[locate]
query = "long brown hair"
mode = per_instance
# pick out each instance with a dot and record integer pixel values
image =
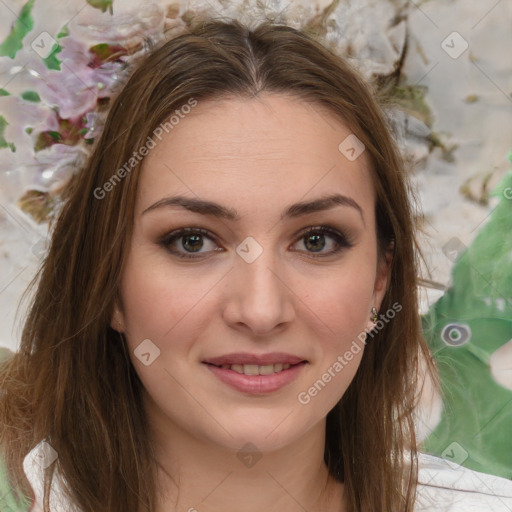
(72, 382)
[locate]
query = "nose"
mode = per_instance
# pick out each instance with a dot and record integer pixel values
(259, 296)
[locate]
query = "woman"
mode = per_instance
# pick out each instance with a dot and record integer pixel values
(227, 317)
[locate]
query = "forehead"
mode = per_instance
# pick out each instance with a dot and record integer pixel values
(263, 152)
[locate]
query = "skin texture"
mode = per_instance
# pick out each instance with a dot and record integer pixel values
(256, 156)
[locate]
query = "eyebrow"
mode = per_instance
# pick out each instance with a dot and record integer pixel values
(205, 207)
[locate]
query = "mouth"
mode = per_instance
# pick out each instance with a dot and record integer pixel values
(255, 364)
(254, 369)
(256, 374)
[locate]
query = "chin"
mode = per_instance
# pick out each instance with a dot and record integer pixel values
(266, 433)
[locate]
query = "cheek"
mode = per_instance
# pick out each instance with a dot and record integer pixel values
(346, 299)
(343, 301)
(158, 301)
(339, 313)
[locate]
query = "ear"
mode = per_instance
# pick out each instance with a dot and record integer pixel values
(117, 317)
(382, 275)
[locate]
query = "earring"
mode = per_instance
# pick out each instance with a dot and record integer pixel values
(374, 317)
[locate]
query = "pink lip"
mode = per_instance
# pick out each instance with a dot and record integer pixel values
(257, 384)
(260, 360)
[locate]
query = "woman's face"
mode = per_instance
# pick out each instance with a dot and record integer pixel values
(213, 317)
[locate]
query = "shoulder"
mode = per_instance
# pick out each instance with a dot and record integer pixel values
(447, 487)
(442, 486)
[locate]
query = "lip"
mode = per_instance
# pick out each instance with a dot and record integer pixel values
(257, 384)
(259, 359)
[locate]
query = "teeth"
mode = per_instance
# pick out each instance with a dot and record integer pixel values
(266, 369)
(254, 369)
(251, 369)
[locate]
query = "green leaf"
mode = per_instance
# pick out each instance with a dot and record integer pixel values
(101, 50)
(104, 52)
(52, 62)
(3, 92)
(101, 4)
(24, 24)
(64, 32)
(3, 142)
(45, 140)
(31, 96)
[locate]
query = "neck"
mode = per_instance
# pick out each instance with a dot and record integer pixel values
(197, 475)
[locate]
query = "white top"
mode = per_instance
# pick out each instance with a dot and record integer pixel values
(443, 486)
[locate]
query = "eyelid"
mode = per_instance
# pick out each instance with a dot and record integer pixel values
(326, 228)
(340, 236)
(176, 234)
(342, 240)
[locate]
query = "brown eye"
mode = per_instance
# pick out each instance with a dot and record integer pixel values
(315, 240)
(189, 242)
(192, 241)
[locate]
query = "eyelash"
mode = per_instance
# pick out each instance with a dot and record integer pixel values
(340, 238)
